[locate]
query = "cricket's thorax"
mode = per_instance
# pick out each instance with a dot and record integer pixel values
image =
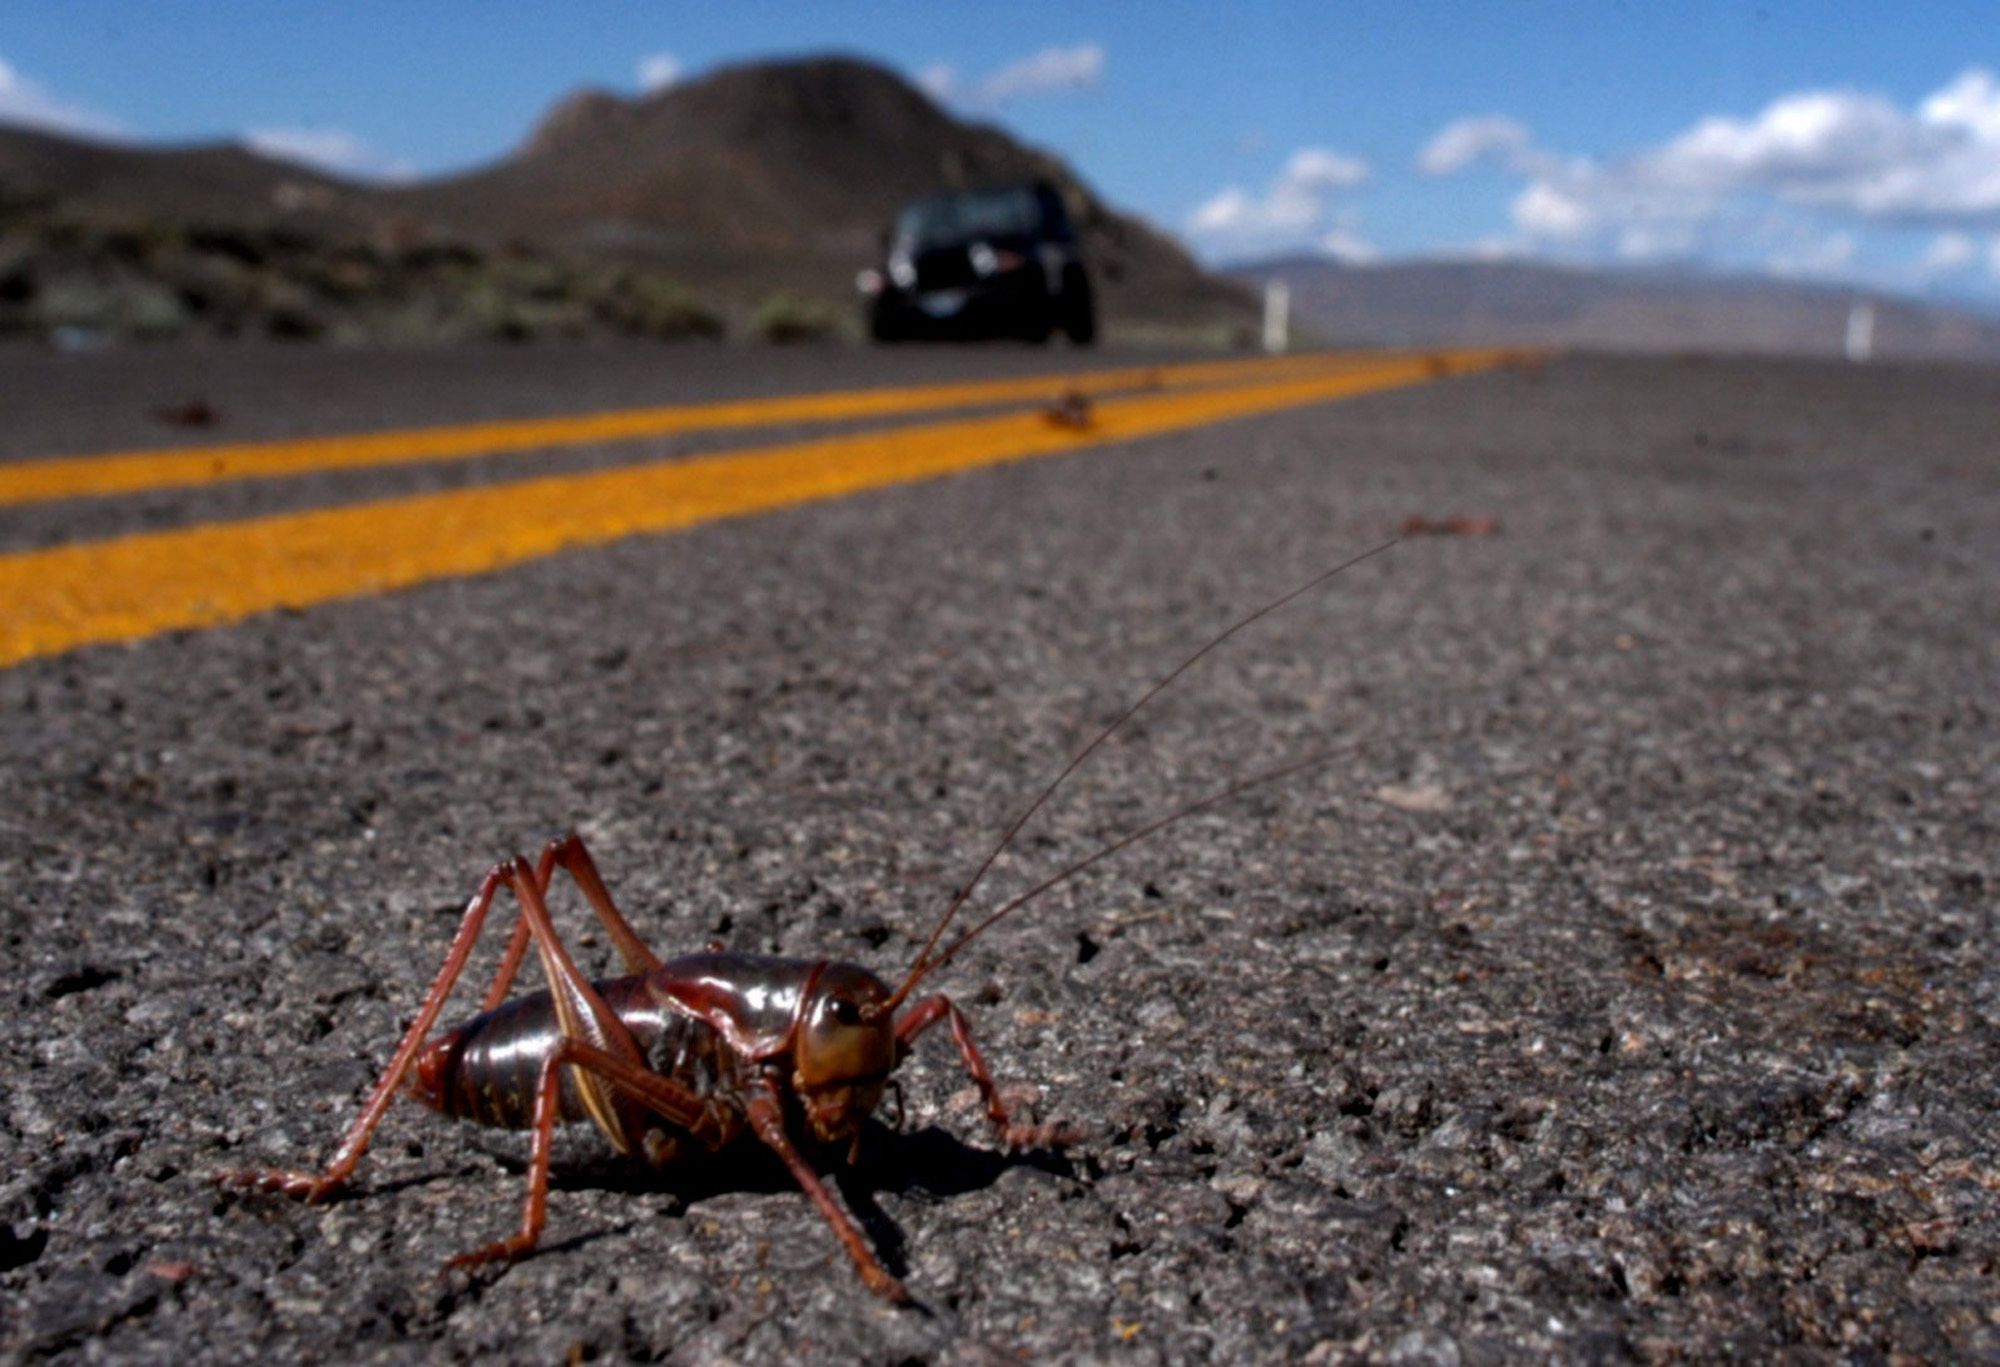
(756, 999)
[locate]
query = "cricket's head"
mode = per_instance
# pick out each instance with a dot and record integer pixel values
(844, 1051)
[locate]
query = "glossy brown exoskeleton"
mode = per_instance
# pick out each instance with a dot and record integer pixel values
(679, 1059)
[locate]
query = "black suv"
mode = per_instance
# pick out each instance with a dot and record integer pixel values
(999, 262)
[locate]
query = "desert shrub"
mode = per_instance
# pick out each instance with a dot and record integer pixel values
(785, 318)
(649, 304)
(112, 307)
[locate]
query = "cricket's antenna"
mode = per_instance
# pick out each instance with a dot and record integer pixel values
(923, 964)
(1150, 828)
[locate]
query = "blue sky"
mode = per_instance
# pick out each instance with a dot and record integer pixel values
(1827, 140)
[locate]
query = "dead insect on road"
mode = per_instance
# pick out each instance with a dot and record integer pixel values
(1071, 409)
(684, 1057)
(191, 413)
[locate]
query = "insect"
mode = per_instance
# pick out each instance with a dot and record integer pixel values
(682, 1058)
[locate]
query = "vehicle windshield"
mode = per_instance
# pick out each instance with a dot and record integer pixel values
(968, 217)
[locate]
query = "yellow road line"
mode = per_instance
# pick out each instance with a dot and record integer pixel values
(134, 586)
(124, 472)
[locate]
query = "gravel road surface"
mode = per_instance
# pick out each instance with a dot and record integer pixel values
(1624, 988)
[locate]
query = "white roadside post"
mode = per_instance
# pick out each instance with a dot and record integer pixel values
(1860, 331)
(1277, 315)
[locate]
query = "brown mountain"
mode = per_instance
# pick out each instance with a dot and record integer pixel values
(1444, 303)
(776, 176)
(786, 174)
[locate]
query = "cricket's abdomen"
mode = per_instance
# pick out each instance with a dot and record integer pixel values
(487, 1069)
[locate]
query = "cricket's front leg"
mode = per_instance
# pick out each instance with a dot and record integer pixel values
(767, 1121)
(1014, 1135)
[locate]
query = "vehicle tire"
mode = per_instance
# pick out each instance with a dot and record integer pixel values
(1078, 309)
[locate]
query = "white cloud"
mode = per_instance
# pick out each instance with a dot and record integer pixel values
(1586, 203)
(1463, 142)
(1799, 185)
(1052, 71)
(328, 149)
(1228, 212)
(1948, 253)
(1970, 102)
(939, 80)
(1545, 210)
(1295, 210)
(23, 101)
(1344, 244)
(1837, 153)
(1853, 153)
(1316, 168)
(1812, 142)
(658, 71)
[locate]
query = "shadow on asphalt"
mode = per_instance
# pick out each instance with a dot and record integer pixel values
(930, 1162)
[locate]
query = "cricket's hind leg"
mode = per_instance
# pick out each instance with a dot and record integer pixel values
(633, 1083)
(315, 1187)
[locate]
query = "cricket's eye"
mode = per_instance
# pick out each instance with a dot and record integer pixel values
(838, 1047)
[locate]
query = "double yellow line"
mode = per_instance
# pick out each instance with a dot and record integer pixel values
(127, 472)
(129, 587)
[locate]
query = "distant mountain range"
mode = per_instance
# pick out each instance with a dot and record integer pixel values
(755, 179)
(1436, 303)
(746, 200)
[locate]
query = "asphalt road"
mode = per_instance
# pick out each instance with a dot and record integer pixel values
(1624, 988)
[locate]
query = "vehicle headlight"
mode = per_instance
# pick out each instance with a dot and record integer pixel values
(987, 261)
